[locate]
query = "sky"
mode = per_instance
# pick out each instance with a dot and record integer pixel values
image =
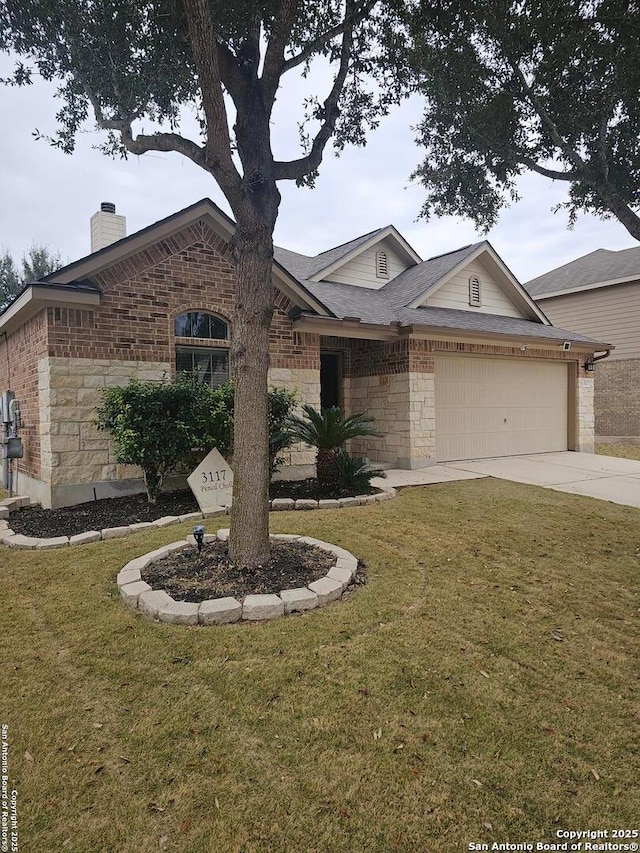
(47, 197)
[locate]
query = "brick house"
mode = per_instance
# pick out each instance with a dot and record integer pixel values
(451, 355)
(599, 294)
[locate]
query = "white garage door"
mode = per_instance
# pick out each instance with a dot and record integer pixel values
(499, 407)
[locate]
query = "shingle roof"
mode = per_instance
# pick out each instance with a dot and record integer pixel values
(303, 266)
(350, 300)
(470, 321)
(420, 279)
(600, 266)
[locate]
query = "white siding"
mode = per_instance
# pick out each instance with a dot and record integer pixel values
(499, 407)
(455, 293)
(608, 314)
(362, 269)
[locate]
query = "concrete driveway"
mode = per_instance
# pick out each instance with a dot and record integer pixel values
(608, 478)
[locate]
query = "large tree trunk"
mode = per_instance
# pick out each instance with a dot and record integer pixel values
(249, 538)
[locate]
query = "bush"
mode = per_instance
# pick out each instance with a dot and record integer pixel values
(155, 425)
(355, 473)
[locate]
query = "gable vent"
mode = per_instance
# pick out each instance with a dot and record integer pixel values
(382, 264)
(474, 291)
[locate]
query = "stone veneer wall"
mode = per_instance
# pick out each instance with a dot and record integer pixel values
(617, 396)
(131, 334)
(395, 382)
(305, 383)
(76, 458)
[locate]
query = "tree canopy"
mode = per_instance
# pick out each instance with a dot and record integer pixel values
(37, 262)
(551, 87)
(135, 66)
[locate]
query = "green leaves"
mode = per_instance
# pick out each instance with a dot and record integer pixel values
(550, 87)
(328, 429)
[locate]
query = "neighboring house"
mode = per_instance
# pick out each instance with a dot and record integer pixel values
(450, 355)
(599, 294)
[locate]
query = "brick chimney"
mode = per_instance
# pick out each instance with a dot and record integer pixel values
(107, 226)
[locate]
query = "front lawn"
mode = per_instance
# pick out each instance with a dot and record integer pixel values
(481, 687)
(628, 451)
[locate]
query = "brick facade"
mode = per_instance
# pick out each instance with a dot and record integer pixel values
(617, 397)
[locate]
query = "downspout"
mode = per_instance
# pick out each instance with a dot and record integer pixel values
(590, 363)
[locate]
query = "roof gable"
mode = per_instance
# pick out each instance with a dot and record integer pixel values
(329, 263)
(203, 211)
(455, 263)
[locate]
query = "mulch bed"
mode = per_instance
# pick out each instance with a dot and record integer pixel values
(130, 509)
(309, 490)
(189, 576)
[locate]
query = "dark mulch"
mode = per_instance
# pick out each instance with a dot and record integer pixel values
(109, 512)
(130, 509)
(309, 490)
(189, 576)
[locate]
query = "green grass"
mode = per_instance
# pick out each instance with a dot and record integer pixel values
(628, 451)
(250, 738)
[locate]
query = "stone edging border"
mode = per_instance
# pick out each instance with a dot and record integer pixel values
(16, 540)
(158, 604)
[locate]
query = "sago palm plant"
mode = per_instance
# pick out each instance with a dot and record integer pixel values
(327, 430)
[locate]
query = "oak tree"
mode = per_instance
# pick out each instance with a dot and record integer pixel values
(133, 65)
(551, 87)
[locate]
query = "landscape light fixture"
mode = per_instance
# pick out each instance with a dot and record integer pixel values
(198, 535)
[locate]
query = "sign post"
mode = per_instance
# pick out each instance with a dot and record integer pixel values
(212, 482)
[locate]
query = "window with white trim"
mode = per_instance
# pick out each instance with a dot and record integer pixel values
(208, 364)
(475, 296)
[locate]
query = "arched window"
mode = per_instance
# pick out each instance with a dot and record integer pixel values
(209, 364)
(199, 324)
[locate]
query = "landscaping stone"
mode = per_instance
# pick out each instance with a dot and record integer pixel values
(115, 532)
(126, 576)
(167, 521)
(349, 564)
(258, 607)
(223, 534)
(329, 504)
(340, 552)
(190, 516)
(179, 613)
(296, 600)
(141, 525)
(4, 512)
(371, 499)
(131, 592)
(165, 550)
(326, 589)
(346, 502)
(282, 504)
(153, 601)
(384, 496)
(85, 538)
(212, 513)
(219, 611)
(306, 504)
(337, 573)
(20, 541)
(4, 525)
(6, 534)
(284, 536)
(53, 542)
(362, 499)
(138, 563)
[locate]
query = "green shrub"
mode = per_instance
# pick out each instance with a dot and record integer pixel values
(327, 430)
(355, 473)
(155, 425)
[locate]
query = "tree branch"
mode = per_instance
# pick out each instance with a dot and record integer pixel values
(206, 56)
(294, 170)
(554, 174)
(274, 56)
(359, 11)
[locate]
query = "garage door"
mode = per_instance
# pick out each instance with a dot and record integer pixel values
(499, 407)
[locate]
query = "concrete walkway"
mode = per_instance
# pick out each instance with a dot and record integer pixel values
(608, 478)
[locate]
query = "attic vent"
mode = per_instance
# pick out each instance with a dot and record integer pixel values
(382, 264)
(474, 291)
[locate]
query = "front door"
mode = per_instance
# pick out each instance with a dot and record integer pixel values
(330, 380)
